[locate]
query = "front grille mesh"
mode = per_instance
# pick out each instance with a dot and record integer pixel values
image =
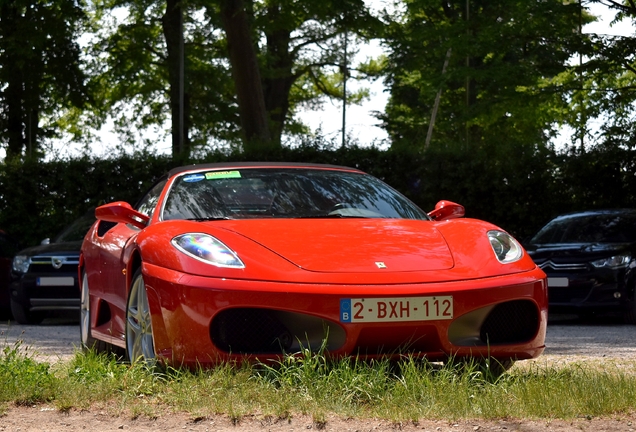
(510, 322)
(41, 264)
(550, 265)
(250, 331)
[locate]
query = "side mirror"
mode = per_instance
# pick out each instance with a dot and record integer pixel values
(121, 212)
(445, 210)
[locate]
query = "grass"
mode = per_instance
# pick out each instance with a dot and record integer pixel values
(310, 384)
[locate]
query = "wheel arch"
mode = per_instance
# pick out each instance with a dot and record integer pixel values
(162, 344)
(134, 264)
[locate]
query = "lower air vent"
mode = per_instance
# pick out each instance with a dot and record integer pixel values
(514, 321)
(511, 322)
(266, 331)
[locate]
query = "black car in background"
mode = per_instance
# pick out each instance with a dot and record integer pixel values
(44, 277)
(590, 260)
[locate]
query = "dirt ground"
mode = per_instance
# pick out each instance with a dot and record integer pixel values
(43, 418)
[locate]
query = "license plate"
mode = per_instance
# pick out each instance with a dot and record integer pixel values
(56, 281)
(558, 282)
(394, 309)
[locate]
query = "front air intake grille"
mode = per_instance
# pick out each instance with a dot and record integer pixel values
(510, 322)
(53, 264)
(249, 331)
(550, 265)
(269, 331)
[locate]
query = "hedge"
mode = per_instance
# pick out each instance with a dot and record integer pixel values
(518, 189)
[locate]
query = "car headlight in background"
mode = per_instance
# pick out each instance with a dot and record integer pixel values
(613, 262)
(21, 263)
(207, 249)
(506, 248)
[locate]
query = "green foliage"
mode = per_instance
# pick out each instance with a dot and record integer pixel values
(40, 72)
(129, 72)
(298, 62)
(602, 86)
(38, 199)
(24, 380)
(490, 63)
(310, 383)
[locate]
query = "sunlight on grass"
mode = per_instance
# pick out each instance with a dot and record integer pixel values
(310, 383)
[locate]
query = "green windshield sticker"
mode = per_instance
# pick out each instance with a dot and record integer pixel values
(222, 175)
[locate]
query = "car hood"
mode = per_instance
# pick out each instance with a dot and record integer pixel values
(67, 248)
(352, 245)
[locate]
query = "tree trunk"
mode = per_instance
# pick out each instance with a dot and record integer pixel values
(14, 92)
(172, 23)
(246, 75)
(15, 113)
(278, 80)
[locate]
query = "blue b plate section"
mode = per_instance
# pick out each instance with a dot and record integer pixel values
(345, 310)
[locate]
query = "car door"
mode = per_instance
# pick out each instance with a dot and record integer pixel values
(110, 242)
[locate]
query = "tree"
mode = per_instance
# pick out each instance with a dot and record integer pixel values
(302, 39)
(303, 52)
(247, 63)
(501, 58)
(172, 25)
(605, 87)
(160, 62)
(246, 73)
(40, 71)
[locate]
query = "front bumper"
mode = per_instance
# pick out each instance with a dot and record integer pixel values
(199, 320)
(589, 292)
(46, 291)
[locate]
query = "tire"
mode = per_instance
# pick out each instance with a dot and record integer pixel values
(5, 313)
(88, 342)
(23, 315)
(140, 345)
(629, 316)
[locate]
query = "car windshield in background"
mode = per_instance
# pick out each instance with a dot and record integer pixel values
(284, 193)
(593, 228)
(77, 230)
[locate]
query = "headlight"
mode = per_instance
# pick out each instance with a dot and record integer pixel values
(614, 262)
(207, 249)
(506, 248)
(21, 263)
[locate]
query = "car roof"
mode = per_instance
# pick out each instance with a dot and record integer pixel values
(238, 165)
(598, 212)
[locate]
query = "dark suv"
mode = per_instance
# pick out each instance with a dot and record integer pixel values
(590, 260)
(44, 277)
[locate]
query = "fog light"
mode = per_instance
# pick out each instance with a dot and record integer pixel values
(617, 295)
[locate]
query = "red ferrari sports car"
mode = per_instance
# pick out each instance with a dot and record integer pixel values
(252, 261)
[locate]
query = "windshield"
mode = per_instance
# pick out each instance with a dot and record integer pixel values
(590, 228)
(284, 193)
(76, 230)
